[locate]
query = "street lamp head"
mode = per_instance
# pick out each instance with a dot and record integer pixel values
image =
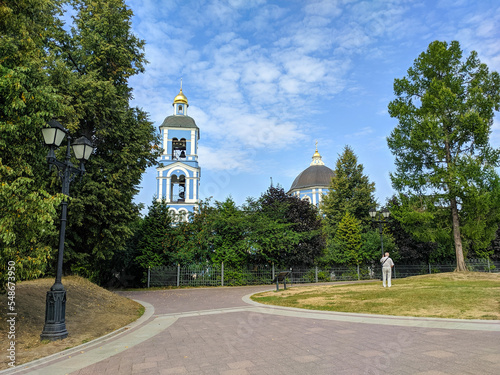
(82, 148)
(372, 212)
(53, 135)
(385, 213)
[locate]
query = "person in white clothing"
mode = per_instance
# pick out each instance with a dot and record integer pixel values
(387, 265)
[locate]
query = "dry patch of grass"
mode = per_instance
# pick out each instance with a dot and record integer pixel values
(460, 295)
(91, 312)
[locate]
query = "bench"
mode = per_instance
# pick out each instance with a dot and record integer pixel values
(281, 278)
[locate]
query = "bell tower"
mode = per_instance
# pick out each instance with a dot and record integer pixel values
(178, 175)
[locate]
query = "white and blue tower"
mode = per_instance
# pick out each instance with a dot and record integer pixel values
(178, 176)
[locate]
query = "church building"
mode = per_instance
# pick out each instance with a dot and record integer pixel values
(178, 175)
(313, 182)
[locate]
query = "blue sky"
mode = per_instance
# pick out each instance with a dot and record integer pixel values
(265, 80)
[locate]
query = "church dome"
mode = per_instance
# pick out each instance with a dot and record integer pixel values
(181, 98)
(317, 175)
(314, 176)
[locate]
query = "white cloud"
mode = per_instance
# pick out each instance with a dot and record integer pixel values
(253, 70)
(367, 130)
(324, 8)
(222, 158)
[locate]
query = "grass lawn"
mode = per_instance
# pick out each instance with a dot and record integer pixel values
(460, 295)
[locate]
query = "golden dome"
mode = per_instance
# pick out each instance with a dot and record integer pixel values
(181, 98)
(316, 159)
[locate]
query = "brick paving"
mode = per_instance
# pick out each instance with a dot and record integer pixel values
(214, 331)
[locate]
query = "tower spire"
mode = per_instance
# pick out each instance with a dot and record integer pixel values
(180, 103)
(316, 159)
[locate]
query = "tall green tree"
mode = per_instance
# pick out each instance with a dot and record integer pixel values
(100, 54)
(152, 235)
(229, 229)
(192, 242)
(410, 249)
(350, 191)
(28, 217)
(348, 241)
(445, 166)
(80, 78)
(286, 230)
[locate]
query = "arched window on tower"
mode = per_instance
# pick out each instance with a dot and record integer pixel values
(177, 188)
(183, 215)
(178, 148)
(173, 214)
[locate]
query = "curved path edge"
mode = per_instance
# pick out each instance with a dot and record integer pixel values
(462, 324)
(92, 351)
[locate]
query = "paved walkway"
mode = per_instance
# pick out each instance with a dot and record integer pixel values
(221, 331)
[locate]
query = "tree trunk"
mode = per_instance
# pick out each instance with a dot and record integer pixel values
(457, 239)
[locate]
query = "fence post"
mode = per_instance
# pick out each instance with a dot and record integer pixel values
(394, 271)
(149, 275)
(178, 274)
(429, 268)
(489, 269)
(357, 269)
(273, 270)
(222, 274)
(316, 274)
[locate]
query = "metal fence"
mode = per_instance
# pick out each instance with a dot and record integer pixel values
(218, 275)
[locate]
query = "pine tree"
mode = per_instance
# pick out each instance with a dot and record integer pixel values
(152, 236)
(445, 167)
(347, 241)
(350, 191)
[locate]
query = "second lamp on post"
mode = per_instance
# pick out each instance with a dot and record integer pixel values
(55, 306)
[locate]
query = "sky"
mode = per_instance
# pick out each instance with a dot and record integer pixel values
(266, 80)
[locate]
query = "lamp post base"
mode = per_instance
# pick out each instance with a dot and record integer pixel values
(55, 316)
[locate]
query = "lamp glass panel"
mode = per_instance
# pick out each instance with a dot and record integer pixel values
(49, 135)
(82, 148)
(385, 213)
(79, 151)
(53, 136)
(59, 137)
(372, 212)
(88, 152)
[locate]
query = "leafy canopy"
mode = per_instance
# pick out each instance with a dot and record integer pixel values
(445, 166)
(27, 102)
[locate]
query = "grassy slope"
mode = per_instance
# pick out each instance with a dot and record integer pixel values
(91, 312)
(467, 295)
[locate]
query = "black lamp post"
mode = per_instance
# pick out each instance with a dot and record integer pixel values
(383, 215)
(55, 305)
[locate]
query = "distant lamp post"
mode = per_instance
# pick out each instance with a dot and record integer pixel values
(383, 216)
(55, 304)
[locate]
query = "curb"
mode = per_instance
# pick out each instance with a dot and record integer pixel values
(148, 313)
